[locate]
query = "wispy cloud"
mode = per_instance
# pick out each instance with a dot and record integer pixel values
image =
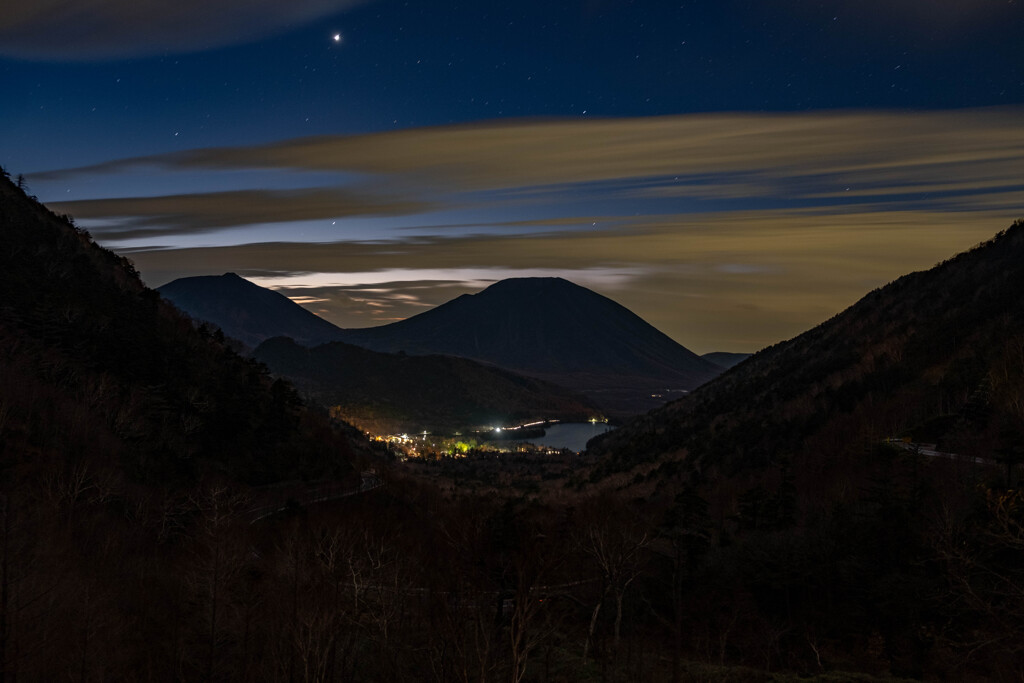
(374, 302)
(727, 231)
(734, 280)
(136, 217)
(706, 152)
(52, 30)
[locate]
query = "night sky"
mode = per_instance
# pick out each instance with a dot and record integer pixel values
(734, 172)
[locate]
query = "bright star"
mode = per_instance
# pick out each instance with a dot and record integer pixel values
(337, 37)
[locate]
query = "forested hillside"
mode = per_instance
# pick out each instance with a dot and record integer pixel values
(935, 356)
(392, 393)
(97, 365)
(860, 484)
(125, 433)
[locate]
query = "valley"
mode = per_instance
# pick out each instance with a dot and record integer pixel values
(517, 341)
(174, 507)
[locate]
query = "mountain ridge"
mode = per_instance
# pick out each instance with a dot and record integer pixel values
(725, 359)
(267, 314)
(558, 331)
(911, 359)
(97, 364)
(392, 393)
(547, 328)
(558, 300)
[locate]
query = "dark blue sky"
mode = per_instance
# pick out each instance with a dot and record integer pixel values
(403, 64)
(769, 113)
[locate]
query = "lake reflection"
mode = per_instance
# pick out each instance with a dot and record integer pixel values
(571, 435)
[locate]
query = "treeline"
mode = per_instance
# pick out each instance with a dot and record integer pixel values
(116, 417)
(934, 356)
(912, 578)
(96, 368)
(395, 393)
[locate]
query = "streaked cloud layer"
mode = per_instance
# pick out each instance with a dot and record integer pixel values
(727, 231)
(184, 214)
(765, 148)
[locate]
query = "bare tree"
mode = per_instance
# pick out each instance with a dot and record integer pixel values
(985, 577)
(615, 540)
(219, 557)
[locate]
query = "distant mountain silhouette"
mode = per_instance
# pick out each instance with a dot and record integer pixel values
(547, 328)
(245, 311)
(393, 393)
(724, 359)
(936, 357)
(386, 393)
(556, 330)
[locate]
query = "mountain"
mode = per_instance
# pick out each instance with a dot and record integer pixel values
(935, 357)
(556, 330)
(724, 359)
(245, 311)
(547, 328)
(378, 392)
(132, 448)
(98, 370)
(395, 393)
(861, 478)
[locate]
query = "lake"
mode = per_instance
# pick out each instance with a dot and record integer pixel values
(571, 435)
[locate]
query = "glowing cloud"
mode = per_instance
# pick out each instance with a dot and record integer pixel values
(726, 231)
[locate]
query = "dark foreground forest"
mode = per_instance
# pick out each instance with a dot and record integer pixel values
(139, 456)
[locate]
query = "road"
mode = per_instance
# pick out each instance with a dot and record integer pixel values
(311, 494)
(929, 450)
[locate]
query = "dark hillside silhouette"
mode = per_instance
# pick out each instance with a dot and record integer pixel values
(96, 363)
(391, 393)
(380, 392)
(247, 312)
(130, 445)
(862, 481)
(556, 330)
(934, 357)
(547, 328)
(724, 359)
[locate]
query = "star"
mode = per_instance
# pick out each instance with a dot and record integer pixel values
(336, 37)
